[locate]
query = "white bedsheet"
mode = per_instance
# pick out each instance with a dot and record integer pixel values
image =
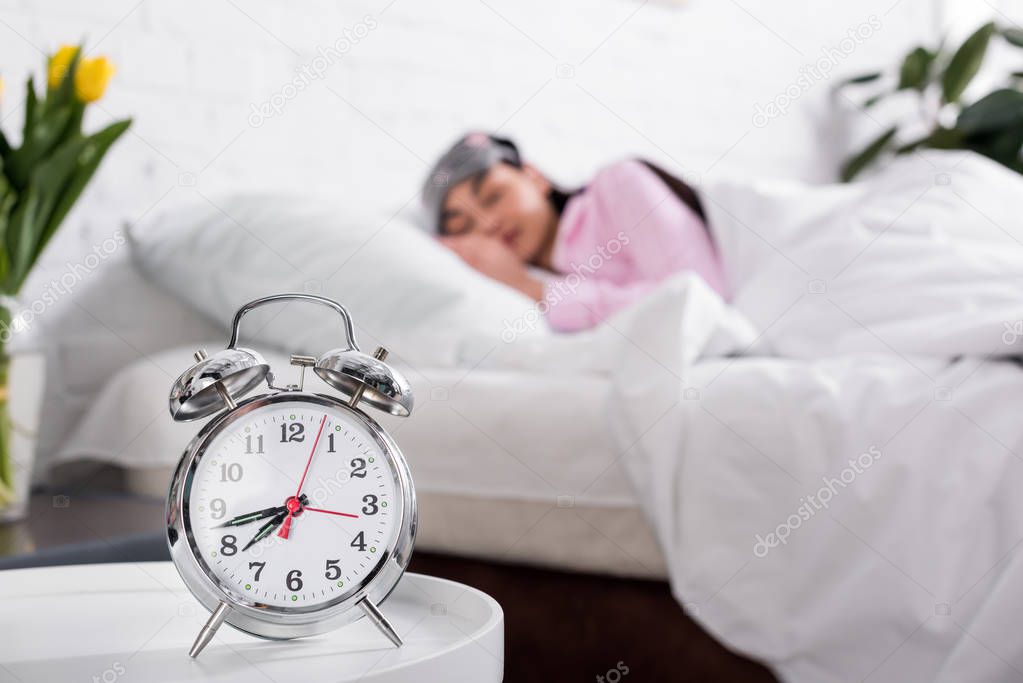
(555, 494)
(848, 507)
(466, 438)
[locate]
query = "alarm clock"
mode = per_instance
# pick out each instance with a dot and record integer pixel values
(291, 513)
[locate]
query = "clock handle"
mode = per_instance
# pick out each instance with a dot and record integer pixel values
(374, 614)
(207, 632)
(311, 298)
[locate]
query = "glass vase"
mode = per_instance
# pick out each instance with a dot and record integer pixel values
(21, 387)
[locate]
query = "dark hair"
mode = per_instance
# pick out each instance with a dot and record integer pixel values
(686, 194)
(559, 197)
(683, 191)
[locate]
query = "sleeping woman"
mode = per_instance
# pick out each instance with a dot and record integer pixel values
(583, 254)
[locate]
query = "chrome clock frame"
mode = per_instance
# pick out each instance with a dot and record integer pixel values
(269, 621)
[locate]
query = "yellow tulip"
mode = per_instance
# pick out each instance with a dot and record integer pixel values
(91, 78)
(59, 64)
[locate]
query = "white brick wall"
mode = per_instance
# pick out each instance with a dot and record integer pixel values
(676, 83)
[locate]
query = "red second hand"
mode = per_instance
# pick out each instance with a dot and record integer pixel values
(332, 512)
(286, 525)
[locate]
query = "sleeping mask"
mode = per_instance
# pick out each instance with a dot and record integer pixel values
(472, 154)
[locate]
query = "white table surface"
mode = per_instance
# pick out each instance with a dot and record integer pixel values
(135, 622)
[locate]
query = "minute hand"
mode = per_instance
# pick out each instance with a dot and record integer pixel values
(251, 516)
(259, 514)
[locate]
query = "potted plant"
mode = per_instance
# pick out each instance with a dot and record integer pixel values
(992, 125)
(40, 180)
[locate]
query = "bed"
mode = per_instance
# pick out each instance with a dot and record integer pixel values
(487, 488)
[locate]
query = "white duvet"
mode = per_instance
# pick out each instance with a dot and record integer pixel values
(843, 498)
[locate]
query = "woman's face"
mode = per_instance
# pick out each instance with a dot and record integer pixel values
(505, 203)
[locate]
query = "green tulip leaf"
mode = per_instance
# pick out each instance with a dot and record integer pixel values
(45, 135)
(31, 106)
(48, 181)
(965, 63)
(85, 166)
(7, 200)
(856, 164)
(64, 93)
(24, 216)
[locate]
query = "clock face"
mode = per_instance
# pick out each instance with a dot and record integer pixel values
(293, 505)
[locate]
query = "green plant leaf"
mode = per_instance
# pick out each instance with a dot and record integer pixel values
(913, 75)
(965, 63)
(912, 146)
(1013, 36)
(995, 111)
(853, 166)
(945, 138)
(1001, 145)
(871, 101)
(862, 78)
(939, 138)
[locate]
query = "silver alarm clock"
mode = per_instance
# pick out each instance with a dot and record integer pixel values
(291, 513)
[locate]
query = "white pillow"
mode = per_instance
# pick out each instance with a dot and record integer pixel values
(404, 290)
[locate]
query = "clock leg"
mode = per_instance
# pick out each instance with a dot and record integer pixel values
(378, 619)
(207, 632)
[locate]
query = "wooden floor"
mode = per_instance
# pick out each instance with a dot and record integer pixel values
(564, 627)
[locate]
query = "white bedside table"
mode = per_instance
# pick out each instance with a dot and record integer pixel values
(135, 622)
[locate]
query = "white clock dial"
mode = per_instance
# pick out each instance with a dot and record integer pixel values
(293, 505)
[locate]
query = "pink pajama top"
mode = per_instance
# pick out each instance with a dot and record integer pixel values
(617, 240)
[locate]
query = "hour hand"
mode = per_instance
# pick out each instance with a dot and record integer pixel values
(266, 529)
(249, 517)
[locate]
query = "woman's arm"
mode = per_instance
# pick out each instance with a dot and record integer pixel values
(495, 260)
